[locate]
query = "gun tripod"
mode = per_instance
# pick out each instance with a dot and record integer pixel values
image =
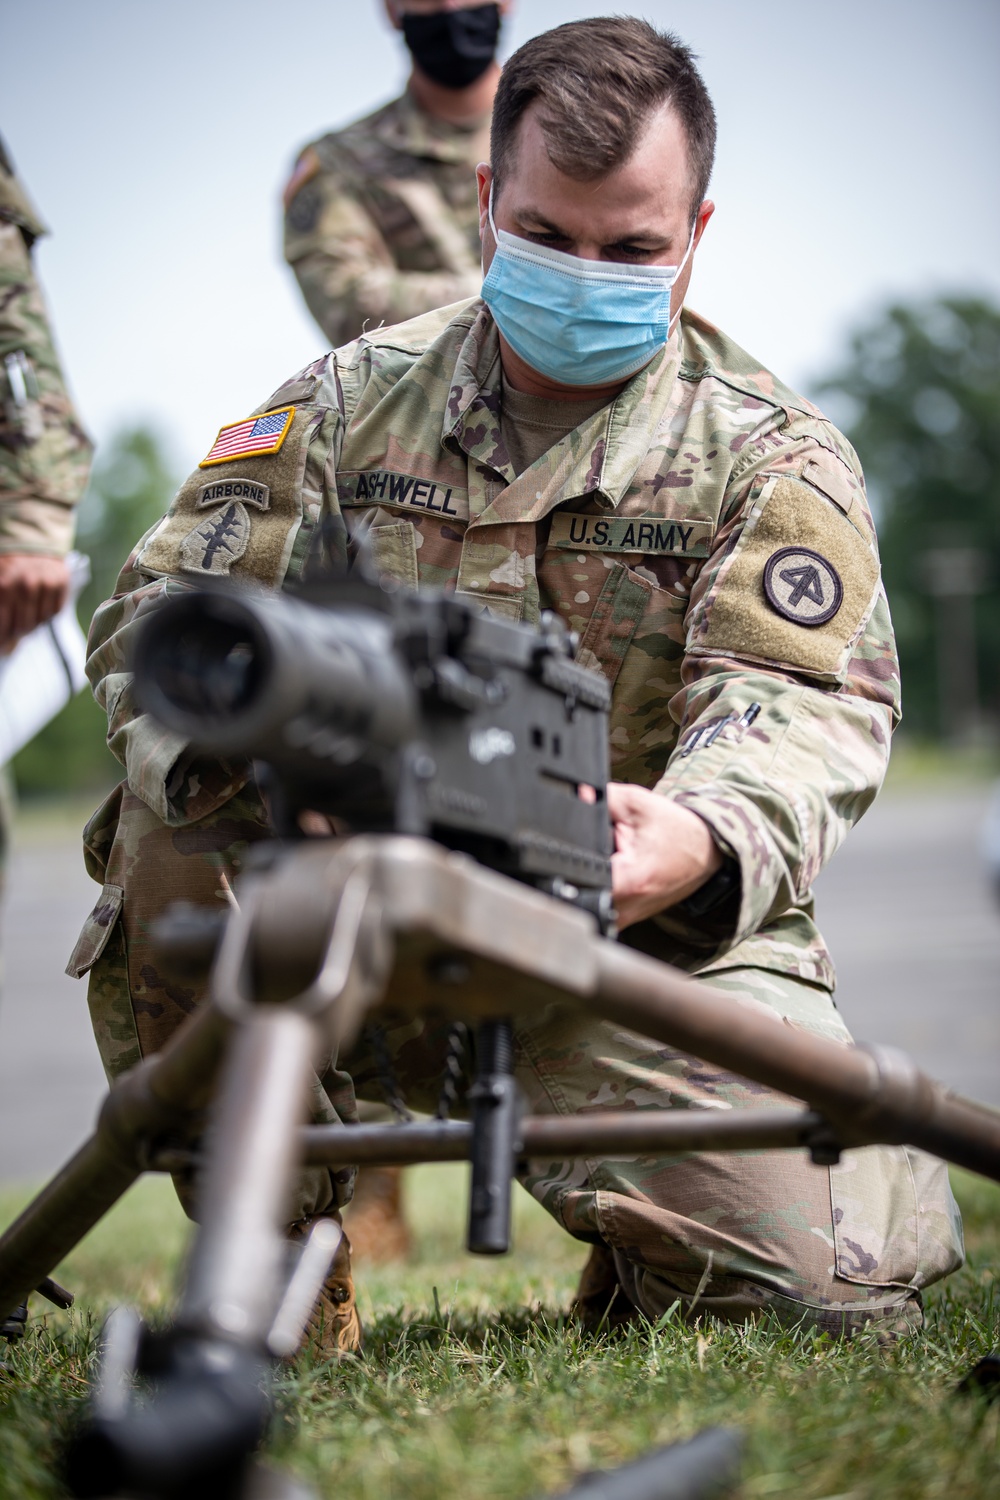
(384, 921)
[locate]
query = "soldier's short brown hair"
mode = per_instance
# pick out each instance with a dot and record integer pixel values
(597, 82)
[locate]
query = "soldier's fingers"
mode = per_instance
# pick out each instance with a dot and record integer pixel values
(625, 801)
(6, 622)
(50, 600)
(24, 609)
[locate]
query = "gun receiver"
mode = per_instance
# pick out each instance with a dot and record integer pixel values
(399, 712)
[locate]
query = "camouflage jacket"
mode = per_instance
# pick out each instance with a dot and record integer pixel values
(381, 220)
(44, 453)
(706, 534)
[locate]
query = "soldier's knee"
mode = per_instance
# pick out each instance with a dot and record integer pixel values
(889, 1313)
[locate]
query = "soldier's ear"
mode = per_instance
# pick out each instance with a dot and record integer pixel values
(705, 212)
(485, 182)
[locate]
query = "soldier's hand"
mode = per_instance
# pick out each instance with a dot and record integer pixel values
(32, 590)
(663, 852)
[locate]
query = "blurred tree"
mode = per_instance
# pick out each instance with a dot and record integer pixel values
(919, 397)
(129, 490)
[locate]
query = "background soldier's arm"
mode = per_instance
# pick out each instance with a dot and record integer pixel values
(347, 271)
(44, 454)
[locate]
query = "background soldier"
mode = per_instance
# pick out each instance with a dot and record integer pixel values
(571, 442)
(44, 453)
(381, 222)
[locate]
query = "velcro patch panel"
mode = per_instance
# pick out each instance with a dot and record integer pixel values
(232, 524)
(798, 589)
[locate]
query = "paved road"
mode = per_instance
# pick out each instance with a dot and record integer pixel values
(904, 906)
(915, 932)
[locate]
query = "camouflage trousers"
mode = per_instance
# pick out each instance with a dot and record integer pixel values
(729, 1234)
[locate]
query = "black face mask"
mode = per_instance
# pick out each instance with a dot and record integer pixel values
(454, 47)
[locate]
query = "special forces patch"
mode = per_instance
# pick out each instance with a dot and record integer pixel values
(802, 586)
(216, 542)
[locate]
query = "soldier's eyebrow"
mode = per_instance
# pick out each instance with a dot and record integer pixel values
(531, 216)
(654, 238)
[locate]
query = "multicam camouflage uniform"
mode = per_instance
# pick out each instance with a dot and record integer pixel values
(707, 535)
(381, 219)
(44, 454)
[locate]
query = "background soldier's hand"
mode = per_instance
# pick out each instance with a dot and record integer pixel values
(32, 590)
(663, 852)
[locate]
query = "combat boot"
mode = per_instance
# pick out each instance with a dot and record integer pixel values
(335, 1327)
(379, 1231)
(600, 1303)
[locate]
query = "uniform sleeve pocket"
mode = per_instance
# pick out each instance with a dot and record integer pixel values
(96, 931)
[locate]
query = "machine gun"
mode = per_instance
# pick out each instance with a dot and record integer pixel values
(414, 714)
(462, 763)
(399, 712)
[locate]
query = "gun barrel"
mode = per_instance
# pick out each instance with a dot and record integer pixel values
(869, 1093)
(275, 678)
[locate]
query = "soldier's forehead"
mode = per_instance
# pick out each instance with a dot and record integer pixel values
(658, 167)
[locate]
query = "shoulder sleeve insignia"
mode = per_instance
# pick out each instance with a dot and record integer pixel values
(794, 591)
(302, 214)
(304, 171)
(253, 438)
(802, 586)
(216, 542)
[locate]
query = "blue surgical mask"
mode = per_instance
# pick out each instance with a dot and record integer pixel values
(579, 322)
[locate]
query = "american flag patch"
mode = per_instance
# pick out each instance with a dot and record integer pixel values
(250, 439)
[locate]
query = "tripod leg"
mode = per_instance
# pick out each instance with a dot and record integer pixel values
(88, 1185)
(163, 1094)
(208, 1410)
(236, 1262)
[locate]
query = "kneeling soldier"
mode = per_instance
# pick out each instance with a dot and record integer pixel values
(572, 441)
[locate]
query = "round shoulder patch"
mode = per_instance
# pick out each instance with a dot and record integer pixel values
(303, 210)
(802, 586)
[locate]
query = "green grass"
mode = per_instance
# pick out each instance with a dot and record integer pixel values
(474, 1386)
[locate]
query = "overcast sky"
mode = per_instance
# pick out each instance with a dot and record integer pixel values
(858, 151)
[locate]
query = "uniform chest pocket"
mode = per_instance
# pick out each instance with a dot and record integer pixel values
(636, 637)
(394, 552)
(621, 603)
